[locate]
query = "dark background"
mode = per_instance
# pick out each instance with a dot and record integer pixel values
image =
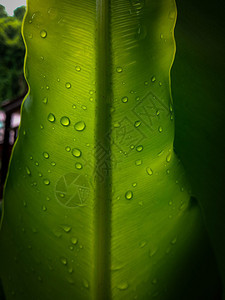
(198, 88)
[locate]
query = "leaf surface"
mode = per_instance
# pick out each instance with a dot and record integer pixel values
(96, 203)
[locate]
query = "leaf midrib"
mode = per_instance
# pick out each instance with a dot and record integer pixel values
(102, 219)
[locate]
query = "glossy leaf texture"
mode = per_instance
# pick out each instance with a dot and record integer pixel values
(97, 205)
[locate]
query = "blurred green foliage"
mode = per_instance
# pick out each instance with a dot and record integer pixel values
(12, 51)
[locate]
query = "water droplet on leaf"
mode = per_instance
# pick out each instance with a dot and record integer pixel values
(28, 171)
(78, 166)
(46, 181)
(137, 123)
(74, 240)
(124, 99)
(63, 261)
(45, 100)
(65, 121)
(139, 148)
(43, 34)
(51, 118)
(68, 85)
(138, 162)
(149, 171)
(119, 69)
(85, 283)
(123, 285)
(46, 155)
(78, 68)
(66, 228)
(80, 126)
(160, 129)
(129, 195)
(76, 152)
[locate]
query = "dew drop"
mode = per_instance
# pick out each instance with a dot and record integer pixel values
(149, 171)
(116, 124)
(68, 149)
(80, 126)
(46, 155)
(173, 242)
(43, 34)
(78, 68)
(160, 129)
(146, 83)
(65, 121)
(44, 208)
(152, 252)
(134, 184)
(73, 106)
(53, 163)
(84, 107)
(153, 79)
(78, 166)
(139, 148)
(46, 181)
(129, 195)
(76, 152)
(123, 285)
(138, 162)
(141, 32)
(142, 244)
(85, 283)
(66, 228)
(70, 270)
(68, 85)
(124, 99)
(74, 240)
(28, 171)
(168, 158)
(51, 118)
(119, 69)
(172, 14)
(45, 100)
(137, 123)
(63, 261)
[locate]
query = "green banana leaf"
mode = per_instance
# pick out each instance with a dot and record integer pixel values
(96, 204)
